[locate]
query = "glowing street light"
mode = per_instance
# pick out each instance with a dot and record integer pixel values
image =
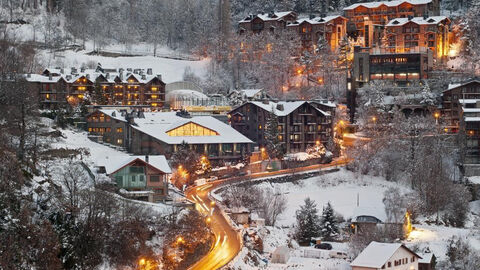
(436, 115)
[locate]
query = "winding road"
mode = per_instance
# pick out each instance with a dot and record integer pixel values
(227, 239)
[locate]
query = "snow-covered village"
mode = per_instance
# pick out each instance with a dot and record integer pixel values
(240, 134)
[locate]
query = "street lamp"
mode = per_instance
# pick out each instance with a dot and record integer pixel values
(436, 115)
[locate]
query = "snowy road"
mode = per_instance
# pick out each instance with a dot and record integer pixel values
(227, 240)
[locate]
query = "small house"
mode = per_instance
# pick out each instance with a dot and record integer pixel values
(143, 177)
(281, 255)
(378, 256)
(427, 262)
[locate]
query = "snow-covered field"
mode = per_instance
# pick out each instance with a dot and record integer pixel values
(171, 69)
(341, 189)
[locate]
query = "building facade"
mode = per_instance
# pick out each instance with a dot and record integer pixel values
(456, 97)
(406, 34)
(366, 20)
(331, 28)
(378, 256)
(161, 133)
(142, 176)
(61, 87)
(376, 64)
(301, 124)
(271, 22)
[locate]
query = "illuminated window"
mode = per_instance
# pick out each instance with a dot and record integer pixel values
(259, 126)
(191, 129)
(119, 130)
(89, 129)
(47, 96)
(154, 89)
(119, 141)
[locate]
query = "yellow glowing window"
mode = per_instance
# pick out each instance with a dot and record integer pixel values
(154, 104)
(81, 88)
(119, 130)
(191, 129)
(47, 96)
(80, 96)
(154, 89)
(154, 96)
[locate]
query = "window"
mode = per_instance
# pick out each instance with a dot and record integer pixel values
(191, 129)
(259, 126)
(119, 180)
(389, 264)
(154, 178)
(133, 178)
(136, 169)
(119, 141)
(141, 178)
(119, 130)
(280, 137)
(102, 118)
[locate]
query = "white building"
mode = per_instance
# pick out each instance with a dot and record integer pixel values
(393, 256)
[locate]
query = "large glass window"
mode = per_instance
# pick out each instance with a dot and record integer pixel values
(191, 129)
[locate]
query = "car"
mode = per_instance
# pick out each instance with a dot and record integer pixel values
(338, 255)
(326, 246)
(212, 178)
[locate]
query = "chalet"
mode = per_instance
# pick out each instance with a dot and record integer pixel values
(405, 34)
(331, 28)
(160, 133)
(368, 219)
(141, 176)
(52, 90)
(300, 123)
(59, 87)
(366, 20)
(378, 256)
(456, 96)
(272, 22)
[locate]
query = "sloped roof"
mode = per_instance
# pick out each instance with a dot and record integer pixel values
(42, 78)
(387, 3)
(117, 115)
(426, 258)
(316, 20)
(250, 92)
(157, 161)
(156, 124)
(376, 254)
(434, 20)
(288, 106)
(266, 16)
(456, 85)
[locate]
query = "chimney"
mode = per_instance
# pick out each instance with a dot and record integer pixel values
(280, 107)
(410, 17)
(74, 70)
(29, 75)
(69, 77)
(149, 71)
(266, 101)
(107, 76)
(88, 76)
(144, 77)
(159, 76)
(62, 71)
(50, 77)
(146, 159)
(82, 69)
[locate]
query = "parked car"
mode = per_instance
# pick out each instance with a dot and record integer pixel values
(326, 246)
(338, 255)
(212, 178)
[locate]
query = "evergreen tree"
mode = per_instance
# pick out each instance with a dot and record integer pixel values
(308, 221)
(328, 226)
(98, 95)
(274, 145)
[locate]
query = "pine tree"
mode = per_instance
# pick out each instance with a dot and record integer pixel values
(274, 145)
(328, 226)
(98, 97)
(308, 221)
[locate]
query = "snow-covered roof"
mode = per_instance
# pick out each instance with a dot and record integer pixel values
(156, 124)
(418, 20)
(426, 258)
(288, 106)
(376, 212)
(117, 115)
(376, 254)
(159, 162)
(471, 110)
(186, 93)
(316, 20)
(472, 119)
(468, 101)
(42, 78)
(268, 17)
(250, 92)
(456, 85)
(387, 3)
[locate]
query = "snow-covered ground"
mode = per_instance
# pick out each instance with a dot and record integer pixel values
(171, 69)
(340, 188)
